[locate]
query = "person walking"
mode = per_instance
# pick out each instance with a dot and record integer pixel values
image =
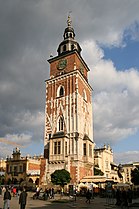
(88, 196)
(7, 198)
(23, 199)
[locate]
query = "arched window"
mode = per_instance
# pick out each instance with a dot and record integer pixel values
(70, 35)
(61, 124)
(72, 47)
(60, 91)
(64, 48)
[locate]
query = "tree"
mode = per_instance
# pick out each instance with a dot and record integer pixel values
(60, 177)
(98, 172)
(135, 176)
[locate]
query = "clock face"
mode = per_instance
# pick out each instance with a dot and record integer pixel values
(62, 64)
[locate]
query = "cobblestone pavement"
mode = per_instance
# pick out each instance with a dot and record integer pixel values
(64, 203)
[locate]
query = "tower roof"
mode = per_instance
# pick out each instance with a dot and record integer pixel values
(69, 43)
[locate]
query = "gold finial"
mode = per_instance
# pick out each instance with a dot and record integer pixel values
(69, 19)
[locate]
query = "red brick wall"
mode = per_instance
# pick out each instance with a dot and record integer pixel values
(42, 169)
(33, 166)
(71, 60)
(73, 173)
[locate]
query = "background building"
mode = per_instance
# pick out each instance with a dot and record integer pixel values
(104, 166)
(126, 171)
(103, 160)
(20, 169)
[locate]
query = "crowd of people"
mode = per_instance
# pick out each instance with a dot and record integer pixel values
(8, 192)
(123, 197)
(47, 194)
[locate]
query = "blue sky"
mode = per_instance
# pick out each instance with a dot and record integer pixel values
(108, 33)
(124, 57)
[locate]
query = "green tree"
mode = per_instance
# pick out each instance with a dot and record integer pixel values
(135, 176)
(98, 172)
(60, 177)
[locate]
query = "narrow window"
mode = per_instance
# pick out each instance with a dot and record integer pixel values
(61, 92)
(59, 148)
(66, 148)
(55, 147)
(64, 48)
(84, 149)
(72, 47)
(61, 124)
(90, 150)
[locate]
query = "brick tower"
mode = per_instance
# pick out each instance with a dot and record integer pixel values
(68, 138)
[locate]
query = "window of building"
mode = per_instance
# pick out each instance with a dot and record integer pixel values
(84, 149)
(72, 47)
(66, 148)
(60, 91)
(90, 150)
(57, 147)
(61, 124)
(64, 48)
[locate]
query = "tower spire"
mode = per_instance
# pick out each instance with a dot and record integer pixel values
(69, 20)
(69, 43)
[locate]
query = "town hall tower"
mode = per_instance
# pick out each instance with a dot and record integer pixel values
(68, 137)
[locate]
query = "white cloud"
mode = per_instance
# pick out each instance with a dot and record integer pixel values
(125, 157)
(115, 100)
(19, 139)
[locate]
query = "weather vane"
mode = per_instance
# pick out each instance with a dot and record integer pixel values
(69, 19)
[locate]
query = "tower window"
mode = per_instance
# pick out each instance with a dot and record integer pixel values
(72, 47)
(84, 149)
(66, 148)
(61, 124)
(60, 91)
(90, 150)
(64, 48)
(57, 147)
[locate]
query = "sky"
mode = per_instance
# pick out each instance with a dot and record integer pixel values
(108, 33)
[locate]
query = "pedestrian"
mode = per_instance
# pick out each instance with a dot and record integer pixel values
(23, 198)
(88, 196)
(53, 193)
(0, 190)
(118, 197)
(124, 198)
(129, 196)
(7, 198)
